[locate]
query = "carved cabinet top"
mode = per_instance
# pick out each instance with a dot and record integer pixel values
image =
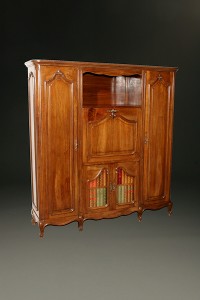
(79, 64)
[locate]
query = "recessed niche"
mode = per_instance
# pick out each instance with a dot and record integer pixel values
(104, 90)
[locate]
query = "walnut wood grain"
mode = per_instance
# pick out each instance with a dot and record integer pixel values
(88, 119)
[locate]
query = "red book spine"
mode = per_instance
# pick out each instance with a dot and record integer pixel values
(94, 183)
(92, 193)
(119, 176)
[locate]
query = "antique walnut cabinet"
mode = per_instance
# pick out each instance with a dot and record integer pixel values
(100, 140)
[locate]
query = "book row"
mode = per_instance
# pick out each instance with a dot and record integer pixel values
(125, 194)
(98, 190)
(98, 197)
(123, 178)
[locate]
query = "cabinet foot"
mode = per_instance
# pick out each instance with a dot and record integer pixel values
(169, 208)
(41, 226)
(139, 214)
(80, 224)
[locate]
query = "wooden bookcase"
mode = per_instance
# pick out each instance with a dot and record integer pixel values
(100, 140)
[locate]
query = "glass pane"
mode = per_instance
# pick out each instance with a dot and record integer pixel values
(98, 190)
(125, 187)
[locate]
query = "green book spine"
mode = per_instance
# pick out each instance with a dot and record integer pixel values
(125, 193)
(98, 197)
(129, 192)
(129, 189)
(132, 190)
(122, 193)
(101, 196)
(119, 194)
(104, 196)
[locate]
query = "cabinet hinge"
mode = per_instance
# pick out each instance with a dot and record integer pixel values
(76, 145)
(112, 187)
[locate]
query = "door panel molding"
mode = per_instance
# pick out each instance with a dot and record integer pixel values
(111, 136)
(59, 95)
(158, 128)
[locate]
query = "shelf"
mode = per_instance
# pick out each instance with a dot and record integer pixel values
(104, 90)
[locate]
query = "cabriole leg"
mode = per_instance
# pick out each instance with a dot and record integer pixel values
(170, 206)
(139, 216)
(80, 224)
(41, 226)
(139, 213)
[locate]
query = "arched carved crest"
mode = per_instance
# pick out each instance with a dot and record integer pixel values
(160, 80)
(58, 76)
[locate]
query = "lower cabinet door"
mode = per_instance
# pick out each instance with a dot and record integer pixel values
(110, 188)
(96, 188)
(126, 185)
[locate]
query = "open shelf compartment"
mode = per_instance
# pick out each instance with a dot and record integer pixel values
(106, 90)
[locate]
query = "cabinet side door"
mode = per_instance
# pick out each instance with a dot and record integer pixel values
(158, 136)
(59, 99)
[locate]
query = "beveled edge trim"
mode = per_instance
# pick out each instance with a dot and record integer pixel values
(45, 62)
